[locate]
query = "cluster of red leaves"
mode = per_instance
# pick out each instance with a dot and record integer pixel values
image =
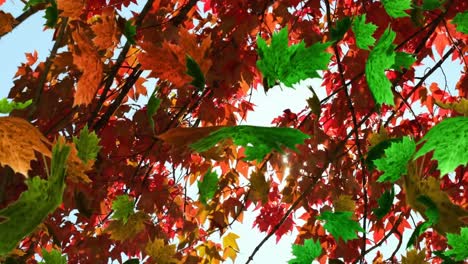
(82, 83)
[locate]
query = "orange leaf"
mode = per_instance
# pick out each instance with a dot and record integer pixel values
(18, 142)
(71, 8)
(6, 22)
(85, 56)
(106, 31)
(183, 136)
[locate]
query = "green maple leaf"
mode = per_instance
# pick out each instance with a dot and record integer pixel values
(363, 32)
(403, 60)
(53, 257)
(208, 186)
(459, 244)
(429, 5)
(258, 141)
(6, 107)
(378, 151)
(130, 32)
(431, 212)
(396, 8)
(340, 225)
(385, 203)
(123, 207)
(289, 65)
(381, 58)
(306, 253)
(394, 164)
(152, 107)
(51, 15)
(193, 69)
(87, 145)
(461, 20)
(337, 32)
(449, 141)
(41, 198)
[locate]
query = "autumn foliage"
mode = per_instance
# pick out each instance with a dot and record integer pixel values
(87, 175)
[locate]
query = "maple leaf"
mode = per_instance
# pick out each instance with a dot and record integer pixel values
(397, 156)
(340, 225)
(385, 203)
(193, 69)
(160, 252)
(449, 142)
(71, 8)
(429, 5)
(337, 32)
(130, 31)
(289, 65)
(106, 31)
(53, 257)
(21, 139)
(413, 257)
(363, 32)
(459, 107)
(378, 151)
(41, 198)
(6, 22)
(258, 141)
(459, 244)
(305, 254)
(230, 246)
(403, 60)
(259, 187)
(152, 107)
(344, 203)
(87, 59)
(396, 8)
(51, 15)
(208, 186)
(381, 58)
(87, 145)
(123, 207)
(121, 231)
(461, 21)
(6, 107)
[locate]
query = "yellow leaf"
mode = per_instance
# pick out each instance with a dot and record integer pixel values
(376, 138)
(160, 252)
(230, 246)
(134, 225)
(6, 22)
(259, 187)
(413, 257)
(345, 203)
(460, 107)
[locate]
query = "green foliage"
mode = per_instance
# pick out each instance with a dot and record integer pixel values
(289, 65)
(53, 257)
(340, 225)
(385, 203)
(459, 244)
(394, 164)
(87, 145)
(6, 107)
(130, 32)
(306, 253)
(432, 214)
(42, 197)
(403, 60)
(152, 107)
(32, 3)
(378, 151)
(381, 58)
(51, 15)
(208, 186)
(396, 8)
(258, 141)
(449, 141)
(193, 69)
(123, 208)
(461, 20)
(337, 32)
(363, 32)
(429, 5)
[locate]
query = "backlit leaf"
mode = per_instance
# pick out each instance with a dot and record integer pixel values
(396, 8)
(87, 145)
(305, 254)
(385, 203)
(378, 151)
(130, 31)
(193, 69)
(230, 246)
(461, 20)
(259, 187)
(337, 32)
(459, 244)
(53, 257)
(363, 32)
(42, 197)
(152, 107)
(122, 231)
(289, 65)
(6, 107)
(381, 58)
(207, 186)
(6, 22)
(449, 141)
(432, 4)
(403, 60)
(397, 156)
(123, 207)
(258, 141)
(51, 15)
(340, 225)
(160, 252)
(414, 257)
(344, 203)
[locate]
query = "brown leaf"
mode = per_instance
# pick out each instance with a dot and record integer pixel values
(106, 31)
(184, 136)
(71, 8)
(345, 203)
(6, 22)
(259, 187)
(85, 56)
(414, 257)
(160, 252)
(18, 142)
(134, 225)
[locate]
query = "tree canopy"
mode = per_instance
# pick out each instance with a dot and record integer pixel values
(87, 175)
